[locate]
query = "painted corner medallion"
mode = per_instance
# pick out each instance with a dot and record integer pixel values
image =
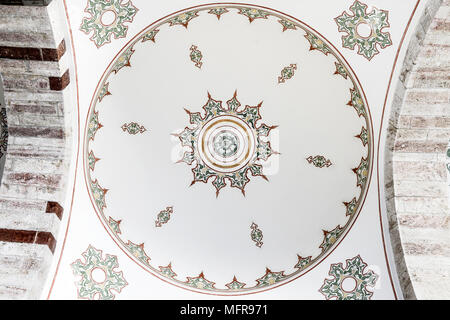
(255, 159)
(365, 29)
(98, 277)
(349, 283)
(106, 19)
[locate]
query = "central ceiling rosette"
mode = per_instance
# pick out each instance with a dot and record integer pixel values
(226, 143)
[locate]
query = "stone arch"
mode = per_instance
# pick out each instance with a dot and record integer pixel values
(33, 190)
(415, 174)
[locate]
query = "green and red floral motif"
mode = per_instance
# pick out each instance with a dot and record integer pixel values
(330, 237)
(357, 102)
(93, 126)
(303, 262)
(364, 136)
(235, 284)
(287, 73)
(99, 195)
(183, 19)
(88, 288)
(319, 161)
(362, 172)
(150, 35)
(133, 128)
(104, 92)
(340, 69)
(376, 20)
(351, 207)
(138, 251)
(196, 56)
(218, 12)
(213, 109)
(252, 13)
(354, 270)
(163, 217)
(123, 12)
(287, 25)
(200, 282)
(270, 278)
(115, 225)
(92, 160)
(167, 271)
(256, 235)
(124, 60)
(316, 43)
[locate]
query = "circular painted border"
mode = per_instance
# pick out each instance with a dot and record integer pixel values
(345, 229)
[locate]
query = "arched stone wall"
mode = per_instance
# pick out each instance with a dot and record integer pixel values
(34, 184)
(415, 174)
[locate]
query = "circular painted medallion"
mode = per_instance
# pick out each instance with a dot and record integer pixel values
(228, 149)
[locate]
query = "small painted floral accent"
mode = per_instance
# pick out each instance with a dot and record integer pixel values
(196, 56)
(104, 92)
(133, 128)
(218, 12)
(123, 12)
(150, 35)
(253, 14)
(93, 126)
(362, 172)
(167, 271)
(200, 282)
(99, 195)
(235, 285)
(92, 160)
(124, 60)
(163, 217)
(330, 237)
(375, 20)
(270, 278)
(364, 136)
(351, 207)
(256, 235)
(355, 270)
(287, 73)
(316, 43)
(319, 161)
(183, 19)
(138, 251)
(90, 289)
(356, 102)
(287, 25)
(340, 69)
(115, 225)
(303, 262)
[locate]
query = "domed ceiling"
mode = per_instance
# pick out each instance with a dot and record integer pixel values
(228, 149)
(224, 141)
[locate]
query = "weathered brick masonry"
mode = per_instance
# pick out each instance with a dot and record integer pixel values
(35, 171)
(416, 179)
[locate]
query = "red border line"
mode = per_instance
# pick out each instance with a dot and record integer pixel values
(379, 143)
(78, 152)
